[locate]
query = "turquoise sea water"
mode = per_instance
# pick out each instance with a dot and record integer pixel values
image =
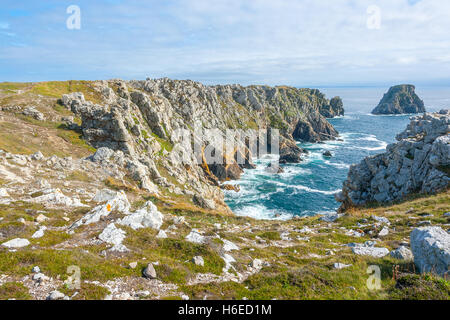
(308, 188)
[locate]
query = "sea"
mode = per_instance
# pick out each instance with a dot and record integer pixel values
(308, 188)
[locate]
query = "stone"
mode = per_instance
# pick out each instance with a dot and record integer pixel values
(16, 243)
(41, 218)
(133, 265)
(102, 154)
(257, 263)
(40, 233)
(339, 265)
(384, 232)
(117, 202)
(112, 235)
(327, 154)
(54, 197)
(229, 246)
(415, 164)
(431, 249)
(34, 113)
(36, 269)
(402, 253)
(400, 99)
(3, 193)
(55, 295)
(196, 237)
(146, 217)
(370, 251)
(161, 234)
(381, 219)
(37, 156)
(198, 261)
(149, 272)
(204, 203)
(447, 214)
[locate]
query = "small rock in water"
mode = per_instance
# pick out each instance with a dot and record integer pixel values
(198, 261)
(149, 272)
(327, 154)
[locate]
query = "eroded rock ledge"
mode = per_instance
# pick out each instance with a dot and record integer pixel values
(418, 163)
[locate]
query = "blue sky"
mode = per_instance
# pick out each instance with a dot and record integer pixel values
(292, 42)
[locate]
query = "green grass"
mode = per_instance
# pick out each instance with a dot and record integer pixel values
(56, 89)
(14, 290)
(87, 291)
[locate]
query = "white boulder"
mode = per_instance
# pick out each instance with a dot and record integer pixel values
(431, 249)
(16, 243)
(146, 217)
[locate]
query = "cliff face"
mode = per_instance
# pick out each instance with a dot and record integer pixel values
(140, 119)
(334, 108)
(400, 99)
(418, 163)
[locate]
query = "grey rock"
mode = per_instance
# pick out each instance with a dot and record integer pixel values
(402, 253)
(149, 272)
(340, 266)
(370, 251)
(16, 243)
(34, 113)
(400, 99)
(431, 249)
(198, 261)
(414, 164)
(56, 295)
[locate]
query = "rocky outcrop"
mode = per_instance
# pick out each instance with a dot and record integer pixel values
(334, 108)
(400, 99)
(138, 124)
(418, 163)
(431, 249)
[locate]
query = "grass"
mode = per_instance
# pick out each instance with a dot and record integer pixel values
(74, 138)
(78, 175)
(87, 291)
(55, 263)
(14, 290)
(56, 89)
(118, 185)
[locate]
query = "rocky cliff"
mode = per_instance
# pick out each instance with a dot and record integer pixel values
(418, 163)
(400, 99)
(139, 119)
(333, 108)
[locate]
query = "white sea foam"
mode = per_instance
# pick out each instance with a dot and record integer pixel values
(262, 213)
(312, 190)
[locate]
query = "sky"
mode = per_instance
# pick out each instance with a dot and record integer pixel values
(282, 42)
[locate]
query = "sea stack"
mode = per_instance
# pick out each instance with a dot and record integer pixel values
(400, 99)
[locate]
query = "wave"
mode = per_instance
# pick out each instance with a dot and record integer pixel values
(260, 212)
(382, 146)
(312, 190)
